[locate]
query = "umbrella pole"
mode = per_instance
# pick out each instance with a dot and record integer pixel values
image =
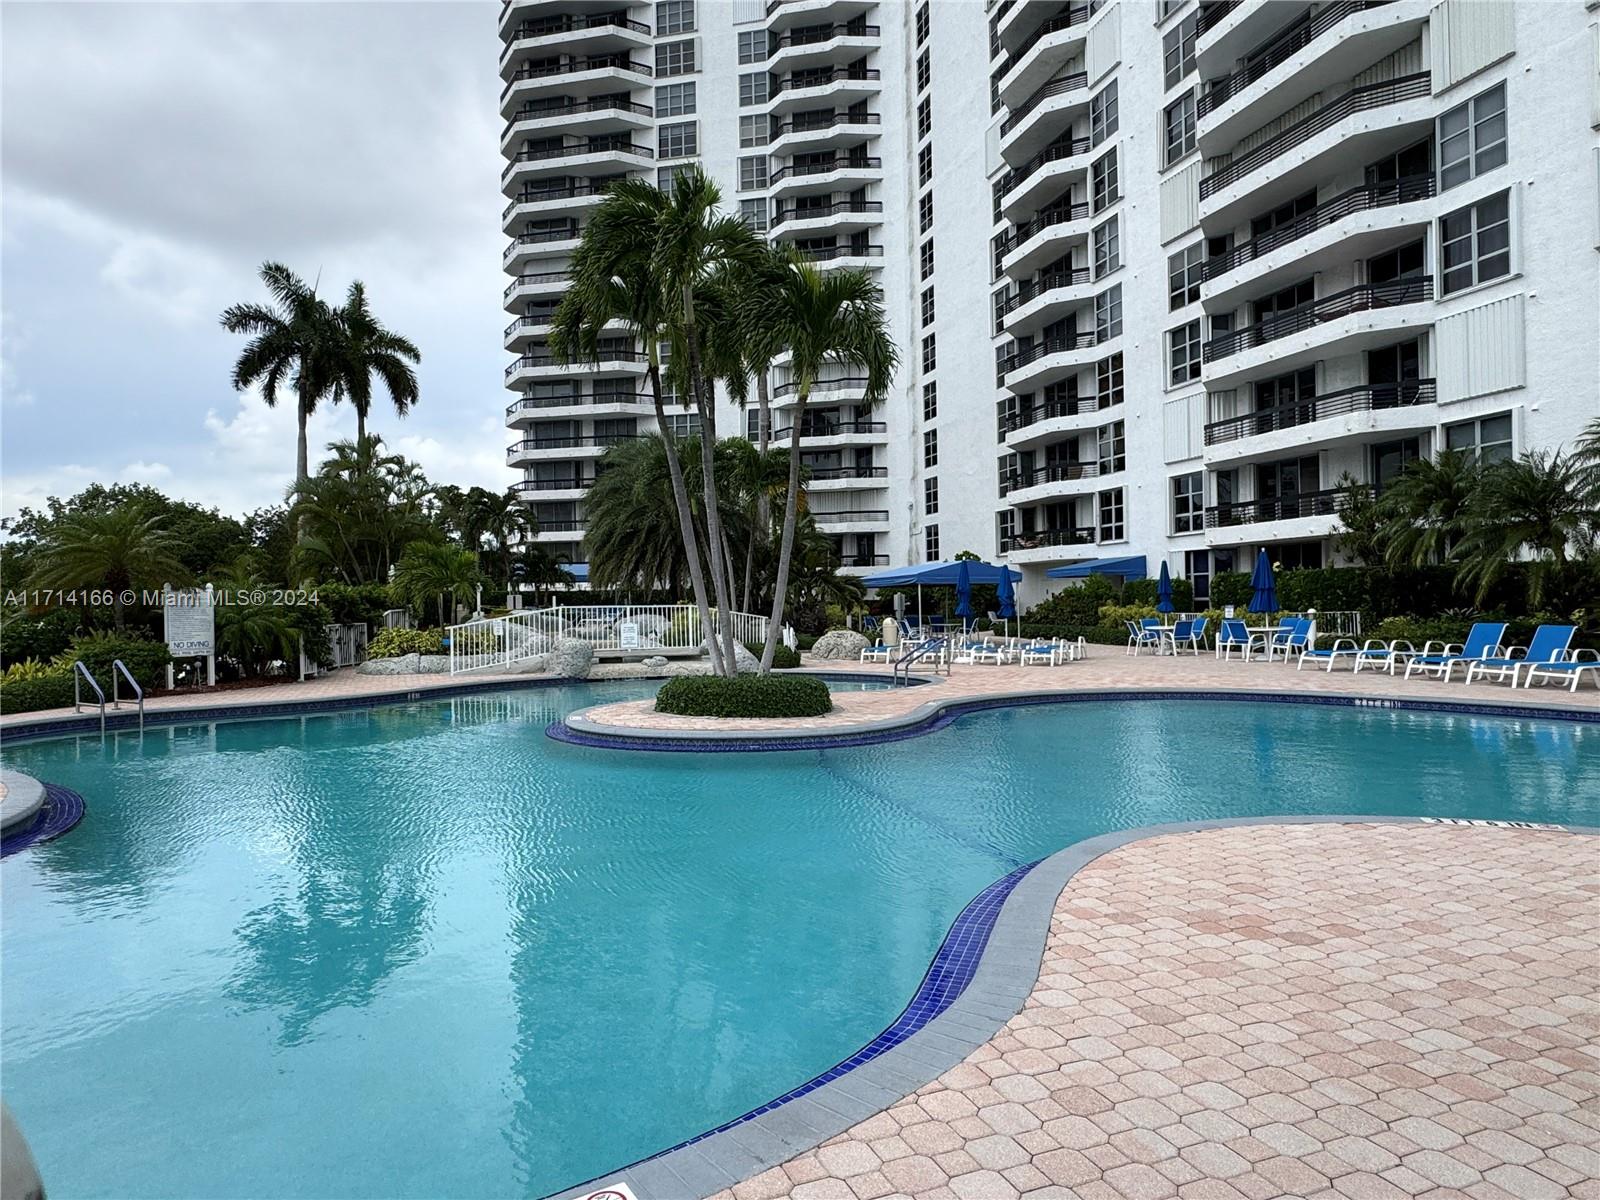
(920, 624)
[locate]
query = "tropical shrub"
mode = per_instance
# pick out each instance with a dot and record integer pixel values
(1077, 605)
(348, 604)
(1230, 587)
(783, 658)
(1143, 591)
(745, 696)
(41, 637)
(32, 685)
(146, 660)
(392, 643)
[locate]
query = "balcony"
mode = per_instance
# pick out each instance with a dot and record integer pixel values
(1367, 397)
(803, 134)
(858, 561)
(845, 474)
(543, 488)
(1051, 421)
(1287, 508)
(1041, 52)
(536, 283)
(1017, 360)
(535, 200)
(1280, 50)
(1362, 298)
(845, 83)
(1057, 479)
(1029, 187)
(550, 529)
(604, 114)
(592, 32)
(844, 383)
(824, 214)
(813, 46)
(822, 431)
(842, 256)
(835, 522)
(530, 407)
(1035, 121)
(614, 361)
(524, 244)
(579, 77)
(534, 448)
(824, 174)
(1043, 240)
(1041, 302)
(786, 14)
(1045, 538)
(572, 156)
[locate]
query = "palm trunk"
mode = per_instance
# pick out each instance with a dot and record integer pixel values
(762, 529)
(706, 403)
(691, 540)
(361, 430)
(791, 507)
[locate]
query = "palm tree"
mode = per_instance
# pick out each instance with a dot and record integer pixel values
(294, 339)
(365, 349)
(1429, 509)
(357, 513)
(121, 548)
(1540, 505)
(632, 540)
(434, 570)
(505, 520)
(820, 318)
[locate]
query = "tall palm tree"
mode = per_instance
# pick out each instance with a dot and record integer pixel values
(632, 540)
(364, 349)
(293, 340)
(1537, 505)
(429, 570)
(505, 519)
(1429, 509)
(121, 548)
(820, 318)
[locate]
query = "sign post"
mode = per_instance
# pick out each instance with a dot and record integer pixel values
(189, 622)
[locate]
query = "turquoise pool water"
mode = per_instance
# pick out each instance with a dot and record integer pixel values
(422, 950)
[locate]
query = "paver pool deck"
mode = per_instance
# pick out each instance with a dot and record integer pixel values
(1325, 1011)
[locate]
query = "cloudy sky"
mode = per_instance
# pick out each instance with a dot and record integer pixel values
(152, 156)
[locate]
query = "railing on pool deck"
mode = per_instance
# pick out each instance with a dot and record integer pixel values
(499, 642)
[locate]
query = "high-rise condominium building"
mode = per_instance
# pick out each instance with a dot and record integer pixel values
(1165, 276)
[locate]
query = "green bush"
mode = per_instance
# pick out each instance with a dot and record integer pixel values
(53, 689)
(146, 660)
(392, 643)
(1143, 591)
(1230, 587)
(348, 603)
(783, 658)
(41, 637)
(745, 696)
(1076, 605)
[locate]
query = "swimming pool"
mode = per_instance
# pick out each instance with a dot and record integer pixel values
(421, 949)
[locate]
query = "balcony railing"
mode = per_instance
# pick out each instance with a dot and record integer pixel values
(554, 25)
(870, 515)
(837, 163)
(842, 384)
(585, 441)
(550, 360)
(575, 191)
(599, 62)
(830, 253)
(1069, 149)
(864, 560)
(1055, 345)
(569, 484)
(1039, 539)
(802, 124)
(1056, 409)
(1213, 13)
(1073, 16)
(1287, 508)
(826, 429)
(1033, 289)
(827, 210)
(537, 403)
(1055, 216)
(1367, 397)
(1357, 199)
(570, 107)
(1056, 87)
(812, 37)
(573, 149)
(536, 279)
(849, 473)
(824, 78)
(1373, 95)
(1062, 472)
(568, 526)
(1284, 47)
(1361, 298)
(531, 321)
(538, 238)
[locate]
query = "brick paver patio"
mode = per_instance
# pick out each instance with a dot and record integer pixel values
(1313, 1011)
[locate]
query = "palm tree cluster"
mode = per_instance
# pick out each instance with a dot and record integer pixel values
(712, 304)
(1540, 510)
(322, 352)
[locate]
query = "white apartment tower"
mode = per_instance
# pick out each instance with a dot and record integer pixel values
(1165, 275)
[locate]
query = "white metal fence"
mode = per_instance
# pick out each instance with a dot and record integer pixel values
(499, 642)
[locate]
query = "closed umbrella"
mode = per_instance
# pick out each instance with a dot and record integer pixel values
(1008, 600)
(1263, 587)
(1164, 591)
(964, 593)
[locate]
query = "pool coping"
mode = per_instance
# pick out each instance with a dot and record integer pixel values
(1012, 955)
(940, 711)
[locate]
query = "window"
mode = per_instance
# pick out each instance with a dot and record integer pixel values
(925, 213)
(930, 448)
(930, 543)
(1475, 243)
(924, 165)
(930, 496)
(677, 140)
(754, 213)
(1103, 181)
(922, 24)
(1472, 137)
(674, 16)
(1188, 505)
(1183, 354)
(1183, 276)
(753, 173)
(1112, 446)
(1103, 114)
(1178, 49)
(753, 46)
(1180, 128)
(924, 116)
(754, 131)
(674, 99)
(924, 70)
(927, 259)
(755, 87)
(930, 400)
(674, 58)
(667, 177)
(1007, 526)
(1488, 438)
(927, 306)
(683, 425)
(1108, 380)
(1107, 248)
(1112, 527)
(930, 353)
(1108, 313)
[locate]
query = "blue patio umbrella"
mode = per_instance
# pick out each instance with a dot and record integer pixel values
(1008, 599)
(964, 593)
(1263, 587)
(1164, 590)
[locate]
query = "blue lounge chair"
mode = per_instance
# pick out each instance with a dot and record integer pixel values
(1571, 668)
(1374, 651)
(1187, 635)
(1142, 634)
(1233, 634)
(1548, 645)
(1437, 658)
(1291, 639)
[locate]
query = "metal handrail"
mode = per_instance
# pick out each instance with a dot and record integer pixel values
(1282, 47)
(79, 669)
(1363, 297)
(935, 648)
(118, 665)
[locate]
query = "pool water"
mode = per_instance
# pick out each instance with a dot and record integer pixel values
(422, 950)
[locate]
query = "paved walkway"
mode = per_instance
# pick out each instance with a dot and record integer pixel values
(1311, 1011)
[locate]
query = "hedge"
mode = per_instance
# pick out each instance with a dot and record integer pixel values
(783, 658)
(392, 643)
(41, 691)
(146, 660)
(745, 696)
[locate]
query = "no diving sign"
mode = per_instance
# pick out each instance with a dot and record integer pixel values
(1492, 824)
(612, 1191)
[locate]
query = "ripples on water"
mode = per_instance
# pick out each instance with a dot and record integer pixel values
(422, 950)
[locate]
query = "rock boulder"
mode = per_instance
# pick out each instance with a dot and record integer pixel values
(572, 658)
(844, 644)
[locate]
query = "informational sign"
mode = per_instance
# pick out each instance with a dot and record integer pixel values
(191, 623)
(1228, 612)
(628, 635)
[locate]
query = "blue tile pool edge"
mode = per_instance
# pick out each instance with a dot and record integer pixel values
(940, 713)
(61, 811)
(1004, 928)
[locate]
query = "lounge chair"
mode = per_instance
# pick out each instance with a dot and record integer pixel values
(1548, 645)
(1374, 651)
(1437, 658)
(1572, 668)
(1052, 653)
(966, 652)
(1234, 634)
(877, 652)
(1182, 634)
(1291, 638)
(1141, 635)
(996, 652)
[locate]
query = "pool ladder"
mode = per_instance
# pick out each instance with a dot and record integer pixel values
(934, 650)
(118, 667)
